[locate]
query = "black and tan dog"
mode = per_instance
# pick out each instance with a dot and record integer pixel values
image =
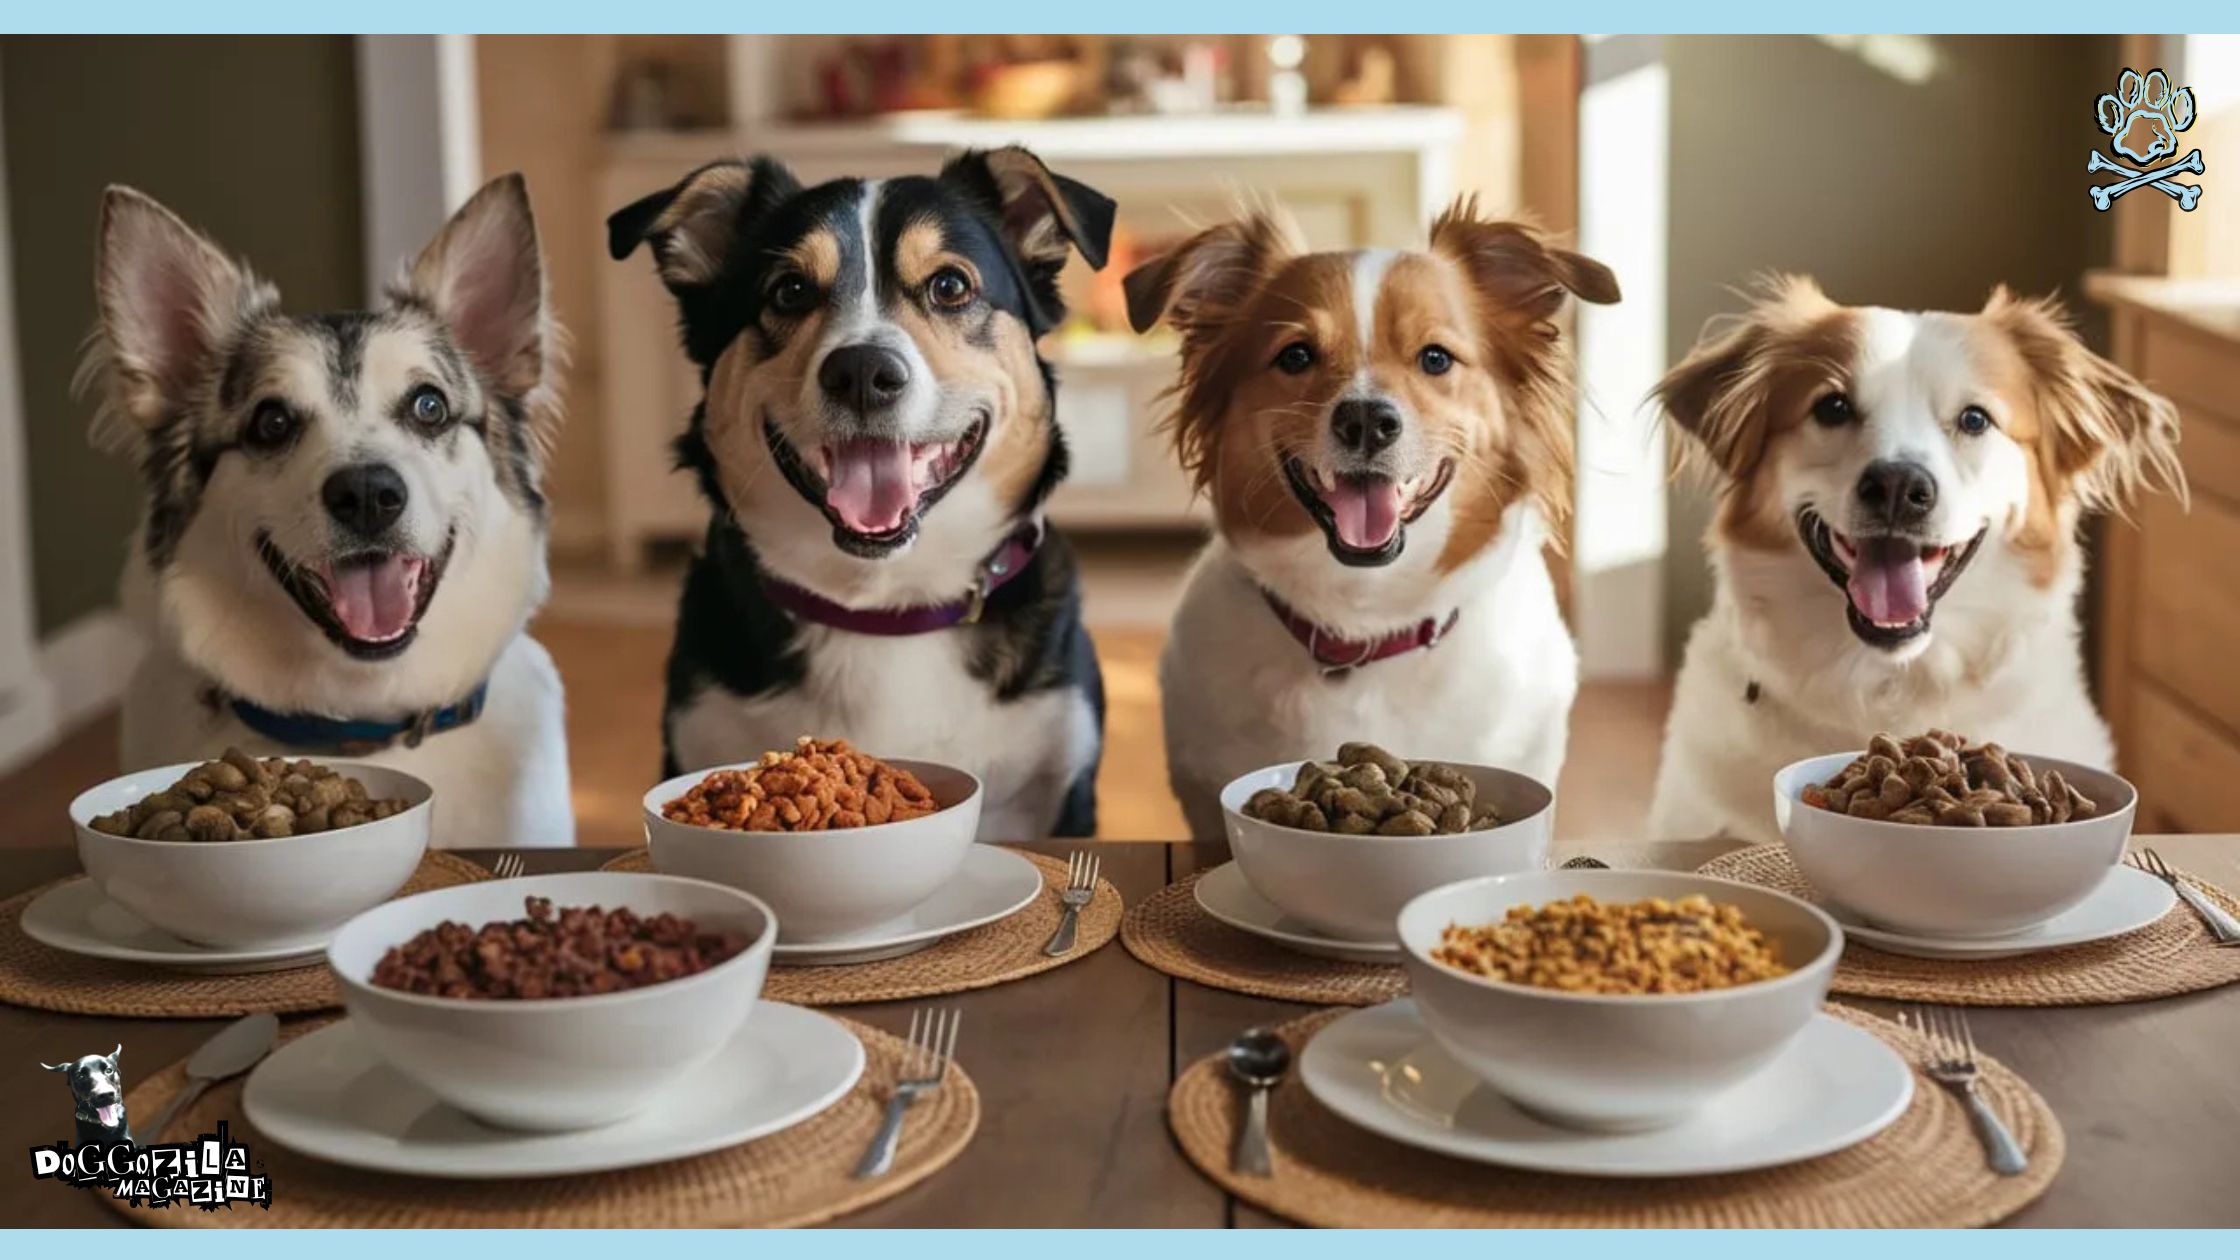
(877, 437)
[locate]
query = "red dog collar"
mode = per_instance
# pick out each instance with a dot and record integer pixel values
(1337, 654)
(1003, 564)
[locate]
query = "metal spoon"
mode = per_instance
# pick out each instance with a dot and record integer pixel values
(1586, 864)
(232, 1050)
(1259, 1058)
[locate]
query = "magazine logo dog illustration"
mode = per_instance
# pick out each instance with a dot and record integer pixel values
(2142, 119)
(210, 1172)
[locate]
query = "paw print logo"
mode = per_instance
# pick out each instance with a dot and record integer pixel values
(2142, 119)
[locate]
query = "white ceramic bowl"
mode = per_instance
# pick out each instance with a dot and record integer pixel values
(1351, 887)
(1612, 1062)
(247, 894)
(554, 1064)
(1964, 883)
(828, 884)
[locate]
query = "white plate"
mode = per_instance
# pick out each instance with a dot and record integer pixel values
(1223, 893)
(325, 1095)
(2127, 900)
(995, 883)
(1835, 1086)
(77, 919)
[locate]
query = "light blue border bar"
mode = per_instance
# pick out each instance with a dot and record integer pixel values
(409, 16)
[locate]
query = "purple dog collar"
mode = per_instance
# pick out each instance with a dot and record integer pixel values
(1003, 564)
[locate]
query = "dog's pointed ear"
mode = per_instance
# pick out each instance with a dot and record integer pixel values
(693, 224)
(116, 1054)
(1522, 275)
(1208, 277)
(483, 275)
(1044, 213)
(2100, 429)
(168, 300)
(56, 1067)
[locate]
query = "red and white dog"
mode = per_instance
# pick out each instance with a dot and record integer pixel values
(1896, 542)
(1386, 440)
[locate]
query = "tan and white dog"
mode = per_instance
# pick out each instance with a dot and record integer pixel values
(1896, 541)
(1386, 438)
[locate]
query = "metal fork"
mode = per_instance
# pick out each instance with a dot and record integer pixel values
(1952, 1064)
(508, 866)
(2223, 928)
(925, 1064)
(1081, 886)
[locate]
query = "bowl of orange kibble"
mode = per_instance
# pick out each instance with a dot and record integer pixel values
(836, 840)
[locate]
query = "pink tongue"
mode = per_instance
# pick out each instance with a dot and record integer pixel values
(374, 602)
(870, 486)
(1366, 511)
(1889, 584)
(108, 1112)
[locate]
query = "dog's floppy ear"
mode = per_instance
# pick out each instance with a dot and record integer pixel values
(2100, 428)
(1206, 278)
(1748, 373)
(483, 275)
(1523, 277)
(693, 224)
(1044, 213)
(168, 300)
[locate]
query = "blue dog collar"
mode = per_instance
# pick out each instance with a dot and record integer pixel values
(313, 732)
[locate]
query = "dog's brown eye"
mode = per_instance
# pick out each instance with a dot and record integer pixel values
(1974, 420)
(1295, 358)
(272, 426)
(1434, 360)
(949, 288)
(1833, 410)
(792, 294)
(428, 407)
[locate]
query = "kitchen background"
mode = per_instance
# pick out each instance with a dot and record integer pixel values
(1901, 170)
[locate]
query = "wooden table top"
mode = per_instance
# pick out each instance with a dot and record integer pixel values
(1073, 1068)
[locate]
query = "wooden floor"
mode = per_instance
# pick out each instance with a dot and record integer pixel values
(613, 676)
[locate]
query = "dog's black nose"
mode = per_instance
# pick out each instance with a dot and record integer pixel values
(365, 498)
(1897, 492)
(864, 378)
(1365, 425)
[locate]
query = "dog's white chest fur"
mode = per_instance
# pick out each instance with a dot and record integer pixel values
(1240, 693)
(499, 781)
(912, 697)
(2004, 666)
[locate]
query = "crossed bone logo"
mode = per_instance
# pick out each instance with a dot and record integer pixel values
(2142, 119)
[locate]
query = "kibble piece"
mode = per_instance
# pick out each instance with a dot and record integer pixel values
(1369, 791)
(238, 797)
(1939, 778)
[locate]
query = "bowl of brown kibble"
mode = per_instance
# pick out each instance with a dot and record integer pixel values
(838, 841)
(1341, 845)
(554, 1002)
(1941, 836)
(1610, 999)
(251, 852)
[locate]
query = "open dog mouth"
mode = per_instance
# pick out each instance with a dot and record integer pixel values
(108, 1114)
(369, 603)
(1364, 516)
(1891, 584)
(875, 491)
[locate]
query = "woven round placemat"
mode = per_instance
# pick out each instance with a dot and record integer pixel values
(996, 953)
(2172, 955)
(32, 974)
(1925, 1170)
(798, 1176)
(1170, 932)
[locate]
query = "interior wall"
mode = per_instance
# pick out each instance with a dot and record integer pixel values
(544, 102)
(253, 140)
(1791, 153)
